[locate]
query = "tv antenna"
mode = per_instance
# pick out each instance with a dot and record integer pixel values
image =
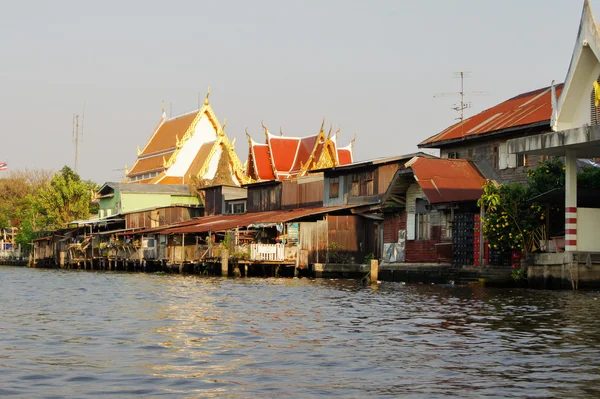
(78, 135)
(460, 107)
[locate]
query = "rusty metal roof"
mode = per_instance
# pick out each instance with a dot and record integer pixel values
(447, 180)
(227, 222)
(523, 111)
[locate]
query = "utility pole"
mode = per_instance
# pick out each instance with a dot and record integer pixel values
(78, 136)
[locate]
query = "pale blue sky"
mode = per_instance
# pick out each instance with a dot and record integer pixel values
(372, 67)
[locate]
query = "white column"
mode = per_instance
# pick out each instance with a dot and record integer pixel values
(571, 201)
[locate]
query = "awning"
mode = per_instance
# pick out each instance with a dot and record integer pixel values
(227, 222)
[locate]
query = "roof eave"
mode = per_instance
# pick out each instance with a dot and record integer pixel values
(437, 144)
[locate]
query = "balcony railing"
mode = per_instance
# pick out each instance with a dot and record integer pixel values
(267, 252)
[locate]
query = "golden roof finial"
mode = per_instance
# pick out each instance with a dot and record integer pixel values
(207, 94)
(280, 131)
(233, 143)
(138, 150)
(323, 124)
(266, 131)
(248, 135)
(126, 170)
(353, 140)
(222, 132)
(337, 131)
(163, 106)
(330, 129)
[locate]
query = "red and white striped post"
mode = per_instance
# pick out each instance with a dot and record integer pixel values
(571, 201)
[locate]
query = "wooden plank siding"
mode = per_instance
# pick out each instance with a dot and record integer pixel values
(160, 217)
(351, 237)
(313, 238)
(213, 201)
(302, 193)
(264, 198)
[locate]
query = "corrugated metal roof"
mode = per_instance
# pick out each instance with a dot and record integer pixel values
(227, 222)
(139, 188)
(526, 109)
(447, 180)
(375, 161)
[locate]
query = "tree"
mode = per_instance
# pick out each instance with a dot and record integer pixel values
(64, 199)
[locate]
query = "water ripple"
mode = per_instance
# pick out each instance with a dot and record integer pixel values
(118, 335)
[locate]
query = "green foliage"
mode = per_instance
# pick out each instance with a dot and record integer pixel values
(65, 199)
(510, 218)
(35, 201)
(513, 221)
(547, 176)
(518, 274)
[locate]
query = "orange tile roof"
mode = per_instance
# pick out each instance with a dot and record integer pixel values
(199, 160)
(534, 107)
(165, 136)
(447, 180)
(172, 180)
(149, 164)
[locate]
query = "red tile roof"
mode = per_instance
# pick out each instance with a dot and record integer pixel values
(523, 110)
(283, 157)
(345, 155)
(447, 180)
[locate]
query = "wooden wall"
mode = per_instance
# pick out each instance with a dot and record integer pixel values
(302, 192)
(263, 198)
(213, 201)
(161, 217)
(351, 236)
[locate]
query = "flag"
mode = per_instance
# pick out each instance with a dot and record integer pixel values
(3, 165)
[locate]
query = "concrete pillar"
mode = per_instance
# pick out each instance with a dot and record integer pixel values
(318, 269)
(374, 271)
(225, 263)
(571, 201)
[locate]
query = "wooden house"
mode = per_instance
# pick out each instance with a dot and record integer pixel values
(421, 207)
(482, 138)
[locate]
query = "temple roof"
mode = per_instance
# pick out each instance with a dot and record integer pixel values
(188, 147)
(282, 157)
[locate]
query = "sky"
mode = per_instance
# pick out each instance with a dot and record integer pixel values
(370, 68)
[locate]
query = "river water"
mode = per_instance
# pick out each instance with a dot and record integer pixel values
(87, 334)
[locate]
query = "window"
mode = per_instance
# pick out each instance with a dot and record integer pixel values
(355, 184)
(496, 158)
(422, 225)
(334, 187)
(236, 207)
(453, 155)
(369, 183)
(521, 160)
(422, 219)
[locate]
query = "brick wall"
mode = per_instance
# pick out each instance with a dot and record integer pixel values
(421, 250)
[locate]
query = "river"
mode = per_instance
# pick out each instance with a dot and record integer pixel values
(88, 334)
